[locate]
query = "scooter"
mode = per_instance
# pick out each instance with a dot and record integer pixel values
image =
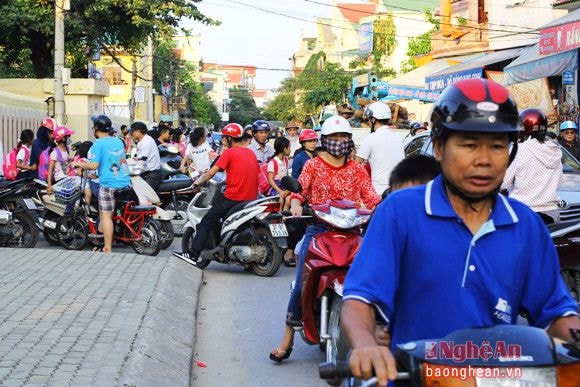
(244, 236)
(327, 261)
(520, 356)
(24, 223)
(566, 237)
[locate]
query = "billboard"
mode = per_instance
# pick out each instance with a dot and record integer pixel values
(560, 38)
(365, 38)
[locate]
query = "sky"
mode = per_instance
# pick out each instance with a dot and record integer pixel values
(249, 36)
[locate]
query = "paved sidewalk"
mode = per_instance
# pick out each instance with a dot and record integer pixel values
(83, 318)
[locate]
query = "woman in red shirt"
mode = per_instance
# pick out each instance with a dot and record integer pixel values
(330, 175)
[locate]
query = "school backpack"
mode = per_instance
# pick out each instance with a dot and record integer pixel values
(263, 184)
(10, 166)
(44, 162)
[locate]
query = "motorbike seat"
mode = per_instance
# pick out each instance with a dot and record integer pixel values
(140, 208)
(236, 208)
(125, 195)
(174, 184)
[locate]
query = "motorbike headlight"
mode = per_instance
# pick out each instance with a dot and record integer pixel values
(5, 217)
(342, 218)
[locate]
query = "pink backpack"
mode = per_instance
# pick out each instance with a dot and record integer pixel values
(44, 162)
(10, 166)
(263, 184)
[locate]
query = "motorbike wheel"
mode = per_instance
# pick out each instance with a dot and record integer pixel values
(25, 231)
(181, 211)
(337, 349)
(274, 259)
(51, 236)
(150, 242)
(167, 233)
(72, 232)
(186, 239)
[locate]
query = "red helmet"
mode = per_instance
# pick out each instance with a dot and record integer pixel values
(533, 120)
(307, 135)
(475, 105)
(233, 130)
(49, 123)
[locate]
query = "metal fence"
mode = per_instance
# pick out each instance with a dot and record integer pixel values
(16, 114)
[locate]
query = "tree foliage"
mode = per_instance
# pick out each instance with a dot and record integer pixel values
(27, 39)
(420, 45)
(168, 67)
(243, 109)
(319, 84)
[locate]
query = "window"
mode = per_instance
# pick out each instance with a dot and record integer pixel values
(113, 75)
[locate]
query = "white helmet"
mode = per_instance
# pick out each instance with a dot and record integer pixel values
(378, 110)
(335, 124)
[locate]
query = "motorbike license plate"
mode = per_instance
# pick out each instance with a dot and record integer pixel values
(278, 230)
(29, 204)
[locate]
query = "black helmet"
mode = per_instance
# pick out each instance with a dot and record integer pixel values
(102, 123)
(475, 105)
(534, 122)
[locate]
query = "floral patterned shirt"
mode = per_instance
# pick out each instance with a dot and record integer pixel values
(321, 182)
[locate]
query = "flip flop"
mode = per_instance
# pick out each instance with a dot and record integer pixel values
(290, 262)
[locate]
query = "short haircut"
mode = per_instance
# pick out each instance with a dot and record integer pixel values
(419, 169)
(139, 126)
(162, 129)
(281, 143)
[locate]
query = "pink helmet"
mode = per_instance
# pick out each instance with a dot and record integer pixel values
(61, 132)
(307, 135)
(49, 123)
(233, 130)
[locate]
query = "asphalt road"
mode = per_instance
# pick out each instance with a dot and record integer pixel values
(240, 319)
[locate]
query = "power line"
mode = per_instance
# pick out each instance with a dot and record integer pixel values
(356, 30)
(409, 9)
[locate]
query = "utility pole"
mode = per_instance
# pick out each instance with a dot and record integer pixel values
(133, 85)
(149, 75)
(59, 8)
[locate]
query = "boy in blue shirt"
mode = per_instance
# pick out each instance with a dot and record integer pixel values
(107, 156)
(455, 253)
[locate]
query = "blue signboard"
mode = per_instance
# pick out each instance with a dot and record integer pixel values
(568, 78)
(413, 93)
(365, 37)
(442, 81)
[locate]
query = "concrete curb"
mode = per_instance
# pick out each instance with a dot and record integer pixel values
(162, 353)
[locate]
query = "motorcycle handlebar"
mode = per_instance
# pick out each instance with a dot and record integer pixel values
(341, 370)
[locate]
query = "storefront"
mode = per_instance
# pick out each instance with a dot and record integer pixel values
(553, 61)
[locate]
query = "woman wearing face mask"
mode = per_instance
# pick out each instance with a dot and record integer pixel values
(330, 175)
(59, 157)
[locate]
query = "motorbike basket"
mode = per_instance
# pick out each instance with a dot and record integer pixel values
(64, 192)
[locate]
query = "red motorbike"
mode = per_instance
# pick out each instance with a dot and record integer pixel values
(329, 256)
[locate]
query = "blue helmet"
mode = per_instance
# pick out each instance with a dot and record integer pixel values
(260, 125)
(568, 125)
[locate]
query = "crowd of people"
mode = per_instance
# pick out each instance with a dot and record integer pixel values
(461, 214)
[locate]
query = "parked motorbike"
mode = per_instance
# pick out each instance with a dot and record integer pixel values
(566, 236)
(133, 224)
(329, 256)
(521, 356)
(24, 224)
(244, 236)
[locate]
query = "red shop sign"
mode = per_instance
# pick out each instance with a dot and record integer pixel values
(560, 38)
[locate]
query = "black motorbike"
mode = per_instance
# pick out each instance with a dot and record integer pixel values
(22, 230)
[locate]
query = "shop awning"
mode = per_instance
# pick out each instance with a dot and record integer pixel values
(531, 65)
(412, 84)
(470, 69)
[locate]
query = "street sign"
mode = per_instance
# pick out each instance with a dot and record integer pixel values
(139, 94)
(568, 78)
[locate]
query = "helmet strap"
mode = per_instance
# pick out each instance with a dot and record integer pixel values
(470, 200)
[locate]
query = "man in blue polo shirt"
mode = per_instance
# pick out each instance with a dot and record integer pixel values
(455, 253)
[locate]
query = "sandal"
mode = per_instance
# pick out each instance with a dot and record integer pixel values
(98, 249)
(283, 355)
(290, 262)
